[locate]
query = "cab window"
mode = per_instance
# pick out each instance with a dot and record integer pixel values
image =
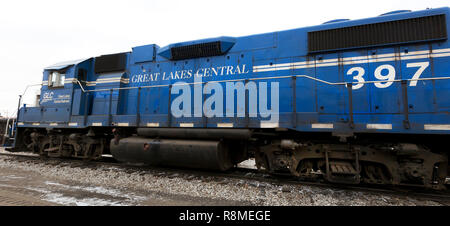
(56, 79)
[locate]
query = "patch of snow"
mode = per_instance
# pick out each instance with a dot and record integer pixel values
(248, 164)
(65, 200)
(100, 190)
(14, 177)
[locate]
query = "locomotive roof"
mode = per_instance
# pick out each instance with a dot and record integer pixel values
(65, 64)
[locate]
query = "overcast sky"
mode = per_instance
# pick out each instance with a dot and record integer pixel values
(36, 34)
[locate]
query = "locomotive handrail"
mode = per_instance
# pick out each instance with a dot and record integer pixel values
(249, 79)
(23, 94)
(262, 78)
(81, 86)
(28, 86)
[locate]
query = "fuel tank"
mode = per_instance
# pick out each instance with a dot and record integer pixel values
(199, 154)
(197, 133)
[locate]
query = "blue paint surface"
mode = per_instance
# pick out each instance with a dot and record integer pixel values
(305, 95)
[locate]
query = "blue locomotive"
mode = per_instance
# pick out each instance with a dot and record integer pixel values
(347, 101)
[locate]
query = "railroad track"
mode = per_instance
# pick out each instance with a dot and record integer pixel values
(442, 197)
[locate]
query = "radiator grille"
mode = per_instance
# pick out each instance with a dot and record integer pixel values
(110, 63)
(429, 28)
(196, 51)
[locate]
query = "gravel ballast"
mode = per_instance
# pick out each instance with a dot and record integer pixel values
(195, 187)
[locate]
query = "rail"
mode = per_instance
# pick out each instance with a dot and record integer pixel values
(260, 78)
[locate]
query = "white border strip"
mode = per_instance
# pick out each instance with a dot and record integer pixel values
(123, 124)
(73, 123)
(322, 126)
(379, 126)
(269, 125)
(70, 80)
(153, 124)
(436, 126)
(187, 124)
(97, 124)
(225, 125)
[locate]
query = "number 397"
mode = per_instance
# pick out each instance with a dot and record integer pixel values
(388, 78)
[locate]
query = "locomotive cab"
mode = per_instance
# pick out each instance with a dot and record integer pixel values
(59, 86)
(60, 98)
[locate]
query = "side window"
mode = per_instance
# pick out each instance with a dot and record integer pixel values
(56, 79)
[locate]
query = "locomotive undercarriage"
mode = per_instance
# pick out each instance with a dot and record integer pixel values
(387, 164)
(355, 162)
(55, 143)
